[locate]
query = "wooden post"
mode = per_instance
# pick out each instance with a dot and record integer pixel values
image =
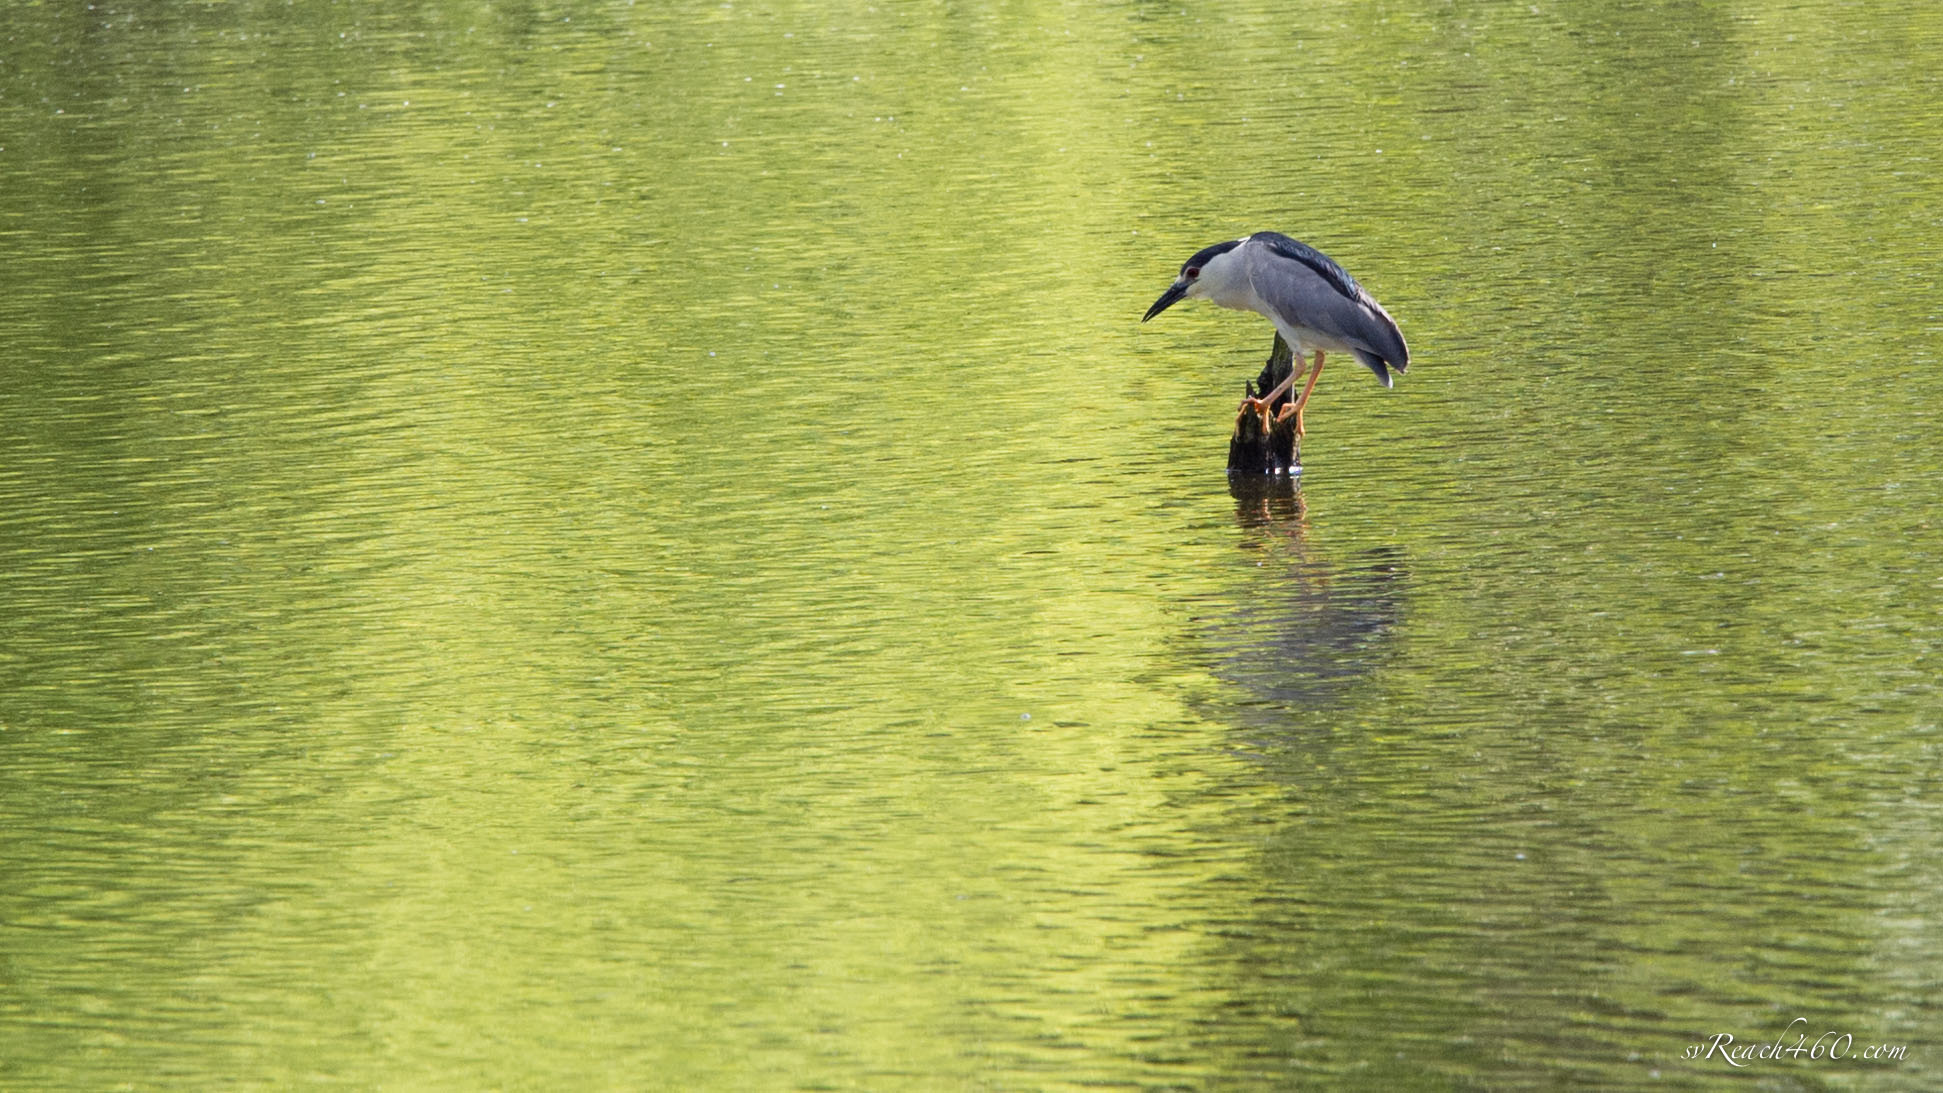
(1263, 441)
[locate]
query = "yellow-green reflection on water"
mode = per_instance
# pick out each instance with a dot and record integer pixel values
(644, 546)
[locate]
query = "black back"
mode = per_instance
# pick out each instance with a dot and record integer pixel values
(1325, 267)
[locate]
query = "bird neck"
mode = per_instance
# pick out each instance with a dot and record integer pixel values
(1224, 281)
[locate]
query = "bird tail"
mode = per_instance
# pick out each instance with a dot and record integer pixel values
(1377, 365)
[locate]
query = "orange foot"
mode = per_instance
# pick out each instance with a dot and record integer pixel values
(1259, 407)
(1289, 409)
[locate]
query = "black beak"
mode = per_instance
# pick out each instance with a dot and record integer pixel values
(1174, 292)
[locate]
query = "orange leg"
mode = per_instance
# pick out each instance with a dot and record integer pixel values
(1301, 366)
(1260, 403)
(1304, 400)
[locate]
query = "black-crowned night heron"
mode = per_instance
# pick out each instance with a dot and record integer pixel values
(1313, 302)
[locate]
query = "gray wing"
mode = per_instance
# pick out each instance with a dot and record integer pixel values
(1302, 283)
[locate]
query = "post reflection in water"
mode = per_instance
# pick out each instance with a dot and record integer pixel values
(1315, 623)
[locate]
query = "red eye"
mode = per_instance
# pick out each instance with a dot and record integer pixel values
(1193, 272)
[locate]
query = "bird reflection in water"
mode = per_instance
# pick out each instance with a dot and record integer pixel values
(1312, 624)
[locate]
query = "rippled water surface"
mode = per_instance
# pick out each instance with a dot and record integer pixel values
(644, 546)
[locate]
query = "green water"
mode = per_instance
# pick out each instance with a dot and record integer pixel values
(644, 546)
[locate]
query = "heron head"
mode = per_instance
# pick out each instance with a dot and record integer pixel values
(1190, 284)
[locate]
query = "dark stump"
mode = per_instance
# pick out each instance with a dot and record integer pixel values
(1264, 438)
